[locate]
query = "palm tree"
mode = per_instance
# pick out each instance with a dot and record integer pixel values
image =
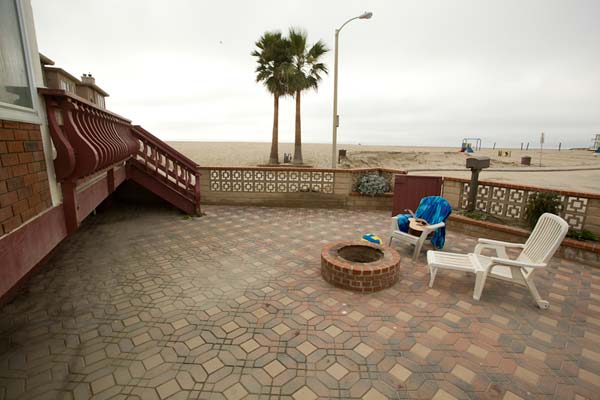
(273, 70)
(307, 75)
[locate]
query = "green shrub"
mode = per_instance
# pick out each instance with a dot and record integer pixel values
(475, 215)
(372, 185)
(539, 203)
(583, 234)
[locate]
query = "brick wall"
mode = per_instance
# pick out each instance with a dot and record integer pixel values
(24, 189)
(359, 276)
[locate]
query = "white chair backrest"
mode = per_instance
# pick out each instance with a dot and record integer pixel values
(547, 235)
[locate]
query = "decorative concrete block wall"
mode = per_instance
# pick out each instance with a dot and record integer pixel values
(289, 187)
(509, 202)
(24, 189)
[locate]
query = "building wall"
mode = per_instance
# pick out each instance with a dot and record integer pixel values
(54, 78)
(85, 92)
(91, 95)
(24, 185)
(37, 116)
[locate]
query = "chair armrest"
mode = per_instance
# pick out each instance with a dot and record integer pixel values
(394, 226)
(514, 263)
(430, 228)
(500, 243)
(434, 226)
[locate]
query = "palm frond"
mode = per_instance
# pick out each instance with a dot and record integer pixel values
(273, 56)
(317, 50)
(307, 63)
(298, 38)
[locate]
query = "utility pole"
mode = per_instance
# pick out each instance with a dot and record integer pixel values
(336, 117)
(541, 147)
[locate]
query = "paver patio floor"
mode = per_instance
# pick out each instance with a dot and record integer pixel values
(147, 304)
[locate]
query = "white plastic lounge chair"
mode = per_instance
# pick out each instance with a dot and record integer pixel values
(417, 241)
(432, 209)
(539, 248)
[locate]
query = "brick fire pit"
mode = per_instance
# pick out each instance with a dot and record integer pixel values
(360, 266)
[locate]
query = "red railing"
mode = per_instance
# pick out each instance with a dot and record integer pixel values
(90, 140)
(167, 164)
(87, 139)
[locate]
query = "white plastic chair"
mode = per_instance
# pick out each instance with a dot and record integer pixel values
(417, 241)
(537, 251)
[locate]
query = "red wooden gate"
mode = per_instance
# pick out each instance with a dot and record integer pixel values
(410, 189)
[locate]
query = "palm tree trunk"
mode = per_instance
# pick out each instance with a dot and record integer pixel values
(274, 157)
(298, 136)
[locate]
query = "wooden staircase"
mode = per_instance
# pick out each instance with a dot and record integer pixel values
(97, 150)
(165, 172)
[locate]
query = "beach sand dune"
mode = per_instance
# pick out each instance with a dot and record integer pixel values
(566, 169)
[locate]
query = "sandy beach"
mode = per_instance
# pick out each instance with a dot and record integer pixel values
(577, 170)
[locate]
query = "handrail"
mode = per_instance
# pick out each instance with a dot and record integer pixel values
(87, 138)
(166, 164)
(170, 151)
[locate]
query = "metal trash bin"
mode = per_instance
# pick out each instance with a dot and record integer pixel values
(526, 160)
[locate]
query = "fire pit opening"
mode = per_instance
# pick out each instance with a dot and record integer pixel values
(360, 254)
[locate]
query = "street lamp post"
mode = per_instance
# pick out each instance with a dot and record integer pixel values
(336, 117)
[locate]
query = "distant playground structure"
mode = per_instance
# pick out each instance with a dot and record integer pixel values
(596, 143)
(467, 145)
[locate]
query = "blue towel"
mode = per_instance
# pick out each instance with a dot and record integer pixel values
(433, 209)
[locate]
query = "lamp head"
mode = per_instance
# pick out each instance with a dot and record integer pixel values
(366, 15)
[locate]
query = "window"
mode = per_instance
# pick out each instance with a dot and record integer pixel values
(100, 100)
(68, 86)
(15, 84)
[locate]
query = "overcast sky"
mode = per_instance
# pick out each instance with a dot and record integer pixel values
(417, 73)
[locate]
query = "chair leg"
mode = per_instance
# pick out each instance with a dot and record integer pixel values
(480, 278)
(418, 247)
(432, 273)
(390, 242)
(543, 304)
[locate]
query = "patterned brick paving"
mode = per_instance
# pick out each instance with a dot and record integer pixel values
(147, 304)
